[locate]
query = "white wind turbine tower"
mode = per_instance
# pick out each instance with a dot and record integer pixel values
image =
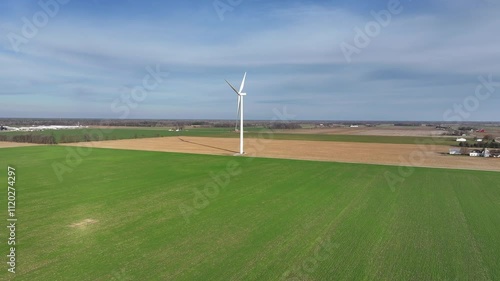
(240, 108)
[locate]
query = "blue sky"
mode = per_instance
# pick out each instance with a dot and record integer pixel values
(88, 55)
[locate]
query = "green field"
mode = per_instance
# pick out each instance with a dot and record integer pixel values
(270, 219)
(78, 135)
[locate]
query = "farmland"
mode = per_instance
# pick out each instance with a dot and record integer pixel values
(347, 152)
(96, 134)
(139, 215)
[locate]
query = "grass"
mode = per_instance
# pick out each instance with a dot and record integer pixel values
(274, 219)
(78, 135)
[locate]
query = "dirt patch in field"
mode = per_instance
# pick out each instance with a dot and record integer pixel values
(6, 144)
(84, 223)
(372, 153)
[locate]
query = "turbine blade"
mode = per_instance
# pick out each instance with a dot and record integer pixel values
(243, 83)
(239, 106)
(232, 88)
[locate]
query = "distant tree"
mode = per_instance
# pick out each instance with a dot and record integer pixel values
(52, 139)
(199, 123)
(284, 126)
(488, 138)
(224, 125)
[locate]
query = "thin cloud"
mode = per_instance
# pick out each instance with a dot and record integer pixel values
(291, 52)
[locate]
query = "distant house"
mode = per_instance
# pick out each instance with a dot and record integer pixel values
(479, 140)
(461, 140)
(354, 126)
(455, 151)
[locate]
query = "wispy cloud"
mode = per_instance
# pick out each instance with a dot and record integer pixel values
(428, 57)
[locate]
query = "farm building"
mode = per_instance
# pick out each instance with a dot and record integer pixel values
(475, 153)
(461, 140)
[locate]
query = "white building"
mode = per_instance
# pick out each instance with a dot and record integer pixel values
(461, 139)
(475, 153)
(455, 151)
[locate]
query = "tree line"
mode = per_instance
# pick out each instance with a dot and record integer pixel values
(283, 126)
(491, 144)
(30, 138)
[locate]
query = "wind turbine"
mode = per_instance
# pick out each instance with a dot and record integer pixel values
(240, 108)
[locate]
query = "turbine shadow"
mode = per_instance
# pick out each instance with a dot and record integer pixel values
(205, 145)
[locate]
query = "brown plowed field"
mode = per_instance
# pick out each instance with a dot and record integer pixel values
(372, 153)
